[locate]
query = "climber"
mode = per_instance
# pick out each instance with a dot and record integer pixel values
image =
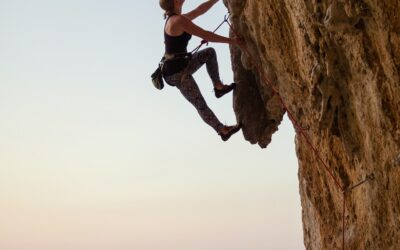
(179, 65)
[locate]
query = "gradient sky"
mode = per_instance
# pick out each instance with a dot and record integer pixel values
(93, 157)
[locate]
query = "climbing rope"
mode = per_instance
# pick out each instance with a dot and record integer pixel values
(302, 132)
(296, 125)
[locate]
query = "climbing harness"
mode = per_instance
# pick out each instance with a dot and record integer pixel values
(300, 130)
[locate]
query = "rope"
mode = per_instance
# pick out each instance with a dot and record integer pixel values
(290, 115)
(343, 219)
(301, 131)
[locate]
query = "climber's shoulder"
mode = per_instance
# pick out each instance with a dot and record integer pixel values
(181, 19)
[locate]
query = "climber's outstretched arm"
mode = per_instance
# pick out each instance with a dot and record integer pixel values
(187, 25)
(201, 9)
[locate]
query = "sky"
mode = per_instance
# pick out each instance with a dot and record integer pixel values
(93, 157)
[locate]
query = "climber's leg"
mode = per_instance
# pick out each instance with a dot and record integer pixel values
(209, 57)
(189, 89)
(191, 92)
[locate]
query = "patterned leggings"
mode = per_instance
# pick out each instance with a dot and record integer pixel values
(185, 82)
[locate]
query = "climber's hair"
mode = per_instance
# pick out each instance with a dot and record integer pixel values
(168, 6)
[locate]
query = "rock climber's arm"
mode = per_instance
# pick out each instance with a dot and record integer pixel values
(187, 25)
(201, 9)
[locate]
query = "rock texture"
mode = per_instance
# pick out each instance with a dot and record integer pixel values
(336, 63)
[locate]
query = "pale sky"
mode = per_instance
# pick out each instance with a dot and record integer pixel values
(93, 157)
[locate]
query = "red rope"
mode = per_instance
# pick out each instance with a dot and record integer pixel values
(290, 115)
(343, 219)
(301, 131)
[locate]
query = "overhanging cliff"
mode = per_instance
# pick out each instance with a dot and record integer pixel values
(336, 64)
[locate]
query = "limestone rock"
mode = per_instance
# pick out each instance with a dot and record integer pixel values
(336, 65)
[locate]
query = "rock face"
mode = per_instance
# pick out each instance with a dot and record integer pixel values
(336, 65)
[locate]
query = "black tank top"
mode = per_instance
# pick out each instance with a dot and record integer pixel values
(175, 45)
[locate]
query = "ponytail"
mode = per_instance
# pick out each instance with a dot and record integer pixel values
(168, 7)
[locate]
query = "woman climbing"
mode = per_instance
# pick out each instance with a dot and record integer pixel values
(180, 65)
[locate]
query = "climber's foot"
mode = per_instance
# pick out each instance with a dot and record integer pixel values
(220, 89)
(227, 131)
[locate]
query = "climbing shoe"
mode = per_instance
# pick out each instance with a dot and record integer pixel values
(231, 130)
(221, 92)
